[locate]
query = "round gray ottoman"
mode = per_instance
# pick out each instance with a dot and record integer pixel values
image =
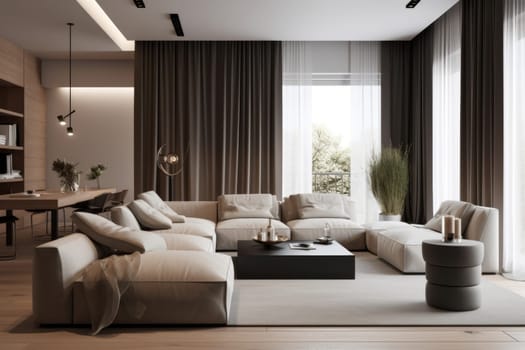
(453, 271)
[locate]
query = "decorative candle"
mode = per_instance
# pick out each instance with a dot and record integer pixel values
(447, 227)
(457, 229)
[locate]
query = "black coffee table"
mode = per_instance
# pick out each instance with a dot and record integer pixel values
(256, 261)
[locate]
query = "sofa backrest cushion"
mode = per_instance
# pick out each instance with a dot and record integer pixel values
(320, 205)
(153, 199)
(123, 216)
(462, 210)
(289, 206)
(149, 217)
(116, 237)
(257, 205)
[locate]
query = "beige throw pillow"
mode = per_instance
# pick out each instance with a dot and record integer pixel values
(153, 199)
(235, 206)
(122, 216)
(122, 239)
(149, 217)
(462, 210)
(320, 205)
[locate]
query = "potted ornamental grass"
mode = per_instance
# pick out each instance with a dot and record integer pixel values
(95, 172)
(388, 174)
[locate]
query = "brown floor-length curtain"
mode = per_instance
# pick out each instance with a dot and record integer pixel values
(406, 109)
(482, 102)
(219, 106)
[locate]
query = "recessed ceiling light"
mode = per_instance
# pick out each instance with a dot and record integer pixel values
(412, 3)
(140, 4)
(97, 13)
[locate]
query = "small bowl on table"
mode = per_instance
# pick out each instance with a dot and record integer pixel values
(324, 240)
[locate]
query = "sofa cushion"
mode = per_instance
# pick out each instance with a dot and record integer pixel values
(463, 210)
(175, 241)
(237, 206)
(174, 287)
(401, 247)
(230, 231)
(373, 230)
(116, 237)
(346, 232)
(123, 216)
(149, 217)
(319, 205)
(153, 199)
(193, 226)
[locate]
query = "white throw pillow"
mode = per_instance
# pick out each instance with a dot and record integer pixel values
(153, 199)
(123, 216)
(320, 205)
(236, 206)
(149, 217)
(116, 237)
(462, 210)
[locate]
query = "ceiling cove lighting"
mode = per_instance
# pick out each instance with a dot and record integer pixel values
(140, 4)
(412, 3)
(98, 15)
(62, 118)
(176, 24)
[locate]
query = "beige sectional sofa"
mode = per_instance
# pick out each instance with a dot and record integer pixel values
(183, 280)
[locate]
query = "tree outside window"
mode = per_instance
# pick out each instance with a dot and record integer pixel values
(330, 162)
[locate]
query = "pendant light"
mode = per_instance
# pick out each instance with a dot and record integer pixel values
(62, 118)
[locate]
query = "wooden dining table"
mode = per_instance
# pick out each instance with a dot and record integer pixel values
(47, 200)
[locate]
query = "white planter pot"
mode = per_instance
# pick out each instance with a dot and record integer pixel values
(389, 217)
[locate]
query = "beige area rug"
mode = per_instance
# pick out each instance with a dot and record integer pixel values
(379, 296)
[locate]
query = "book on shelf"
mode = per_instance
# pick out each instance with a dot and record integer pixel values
(10, 133)
(6, 163)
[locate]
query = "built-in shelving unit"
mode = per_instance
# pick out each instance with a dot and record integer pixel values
(6, 112)
(12, 113)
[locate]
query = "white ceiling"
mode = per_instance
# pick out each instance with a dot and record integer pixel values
(40, 27)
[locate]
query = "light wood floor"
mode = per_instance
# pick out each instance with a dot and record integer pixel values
(17, 330)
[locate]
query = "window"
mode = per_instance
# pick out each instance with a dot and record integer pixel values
(338, 113)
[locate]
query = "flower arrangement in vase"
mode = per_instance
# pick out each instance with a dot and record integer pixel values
(68, 175)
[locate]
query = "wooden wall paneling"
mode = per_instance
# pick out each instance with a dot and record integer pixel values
(35, 129)
(11, 62)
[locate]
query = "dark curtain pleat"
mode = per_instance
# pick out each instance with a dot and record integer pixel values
(216, 103)
(406, 109)
(482, 103)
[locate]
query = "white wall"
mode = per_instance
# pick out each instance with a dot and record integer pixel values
(103, 126)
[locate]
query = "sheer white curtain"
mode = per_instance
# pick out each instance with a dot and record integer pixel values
(514, 140)
(365, 128)
(446, 84)
(297, 117)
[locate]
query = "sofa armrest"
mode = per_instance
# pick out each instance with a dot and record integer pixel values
(484, 227)
(56, 265)
(196, 209)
